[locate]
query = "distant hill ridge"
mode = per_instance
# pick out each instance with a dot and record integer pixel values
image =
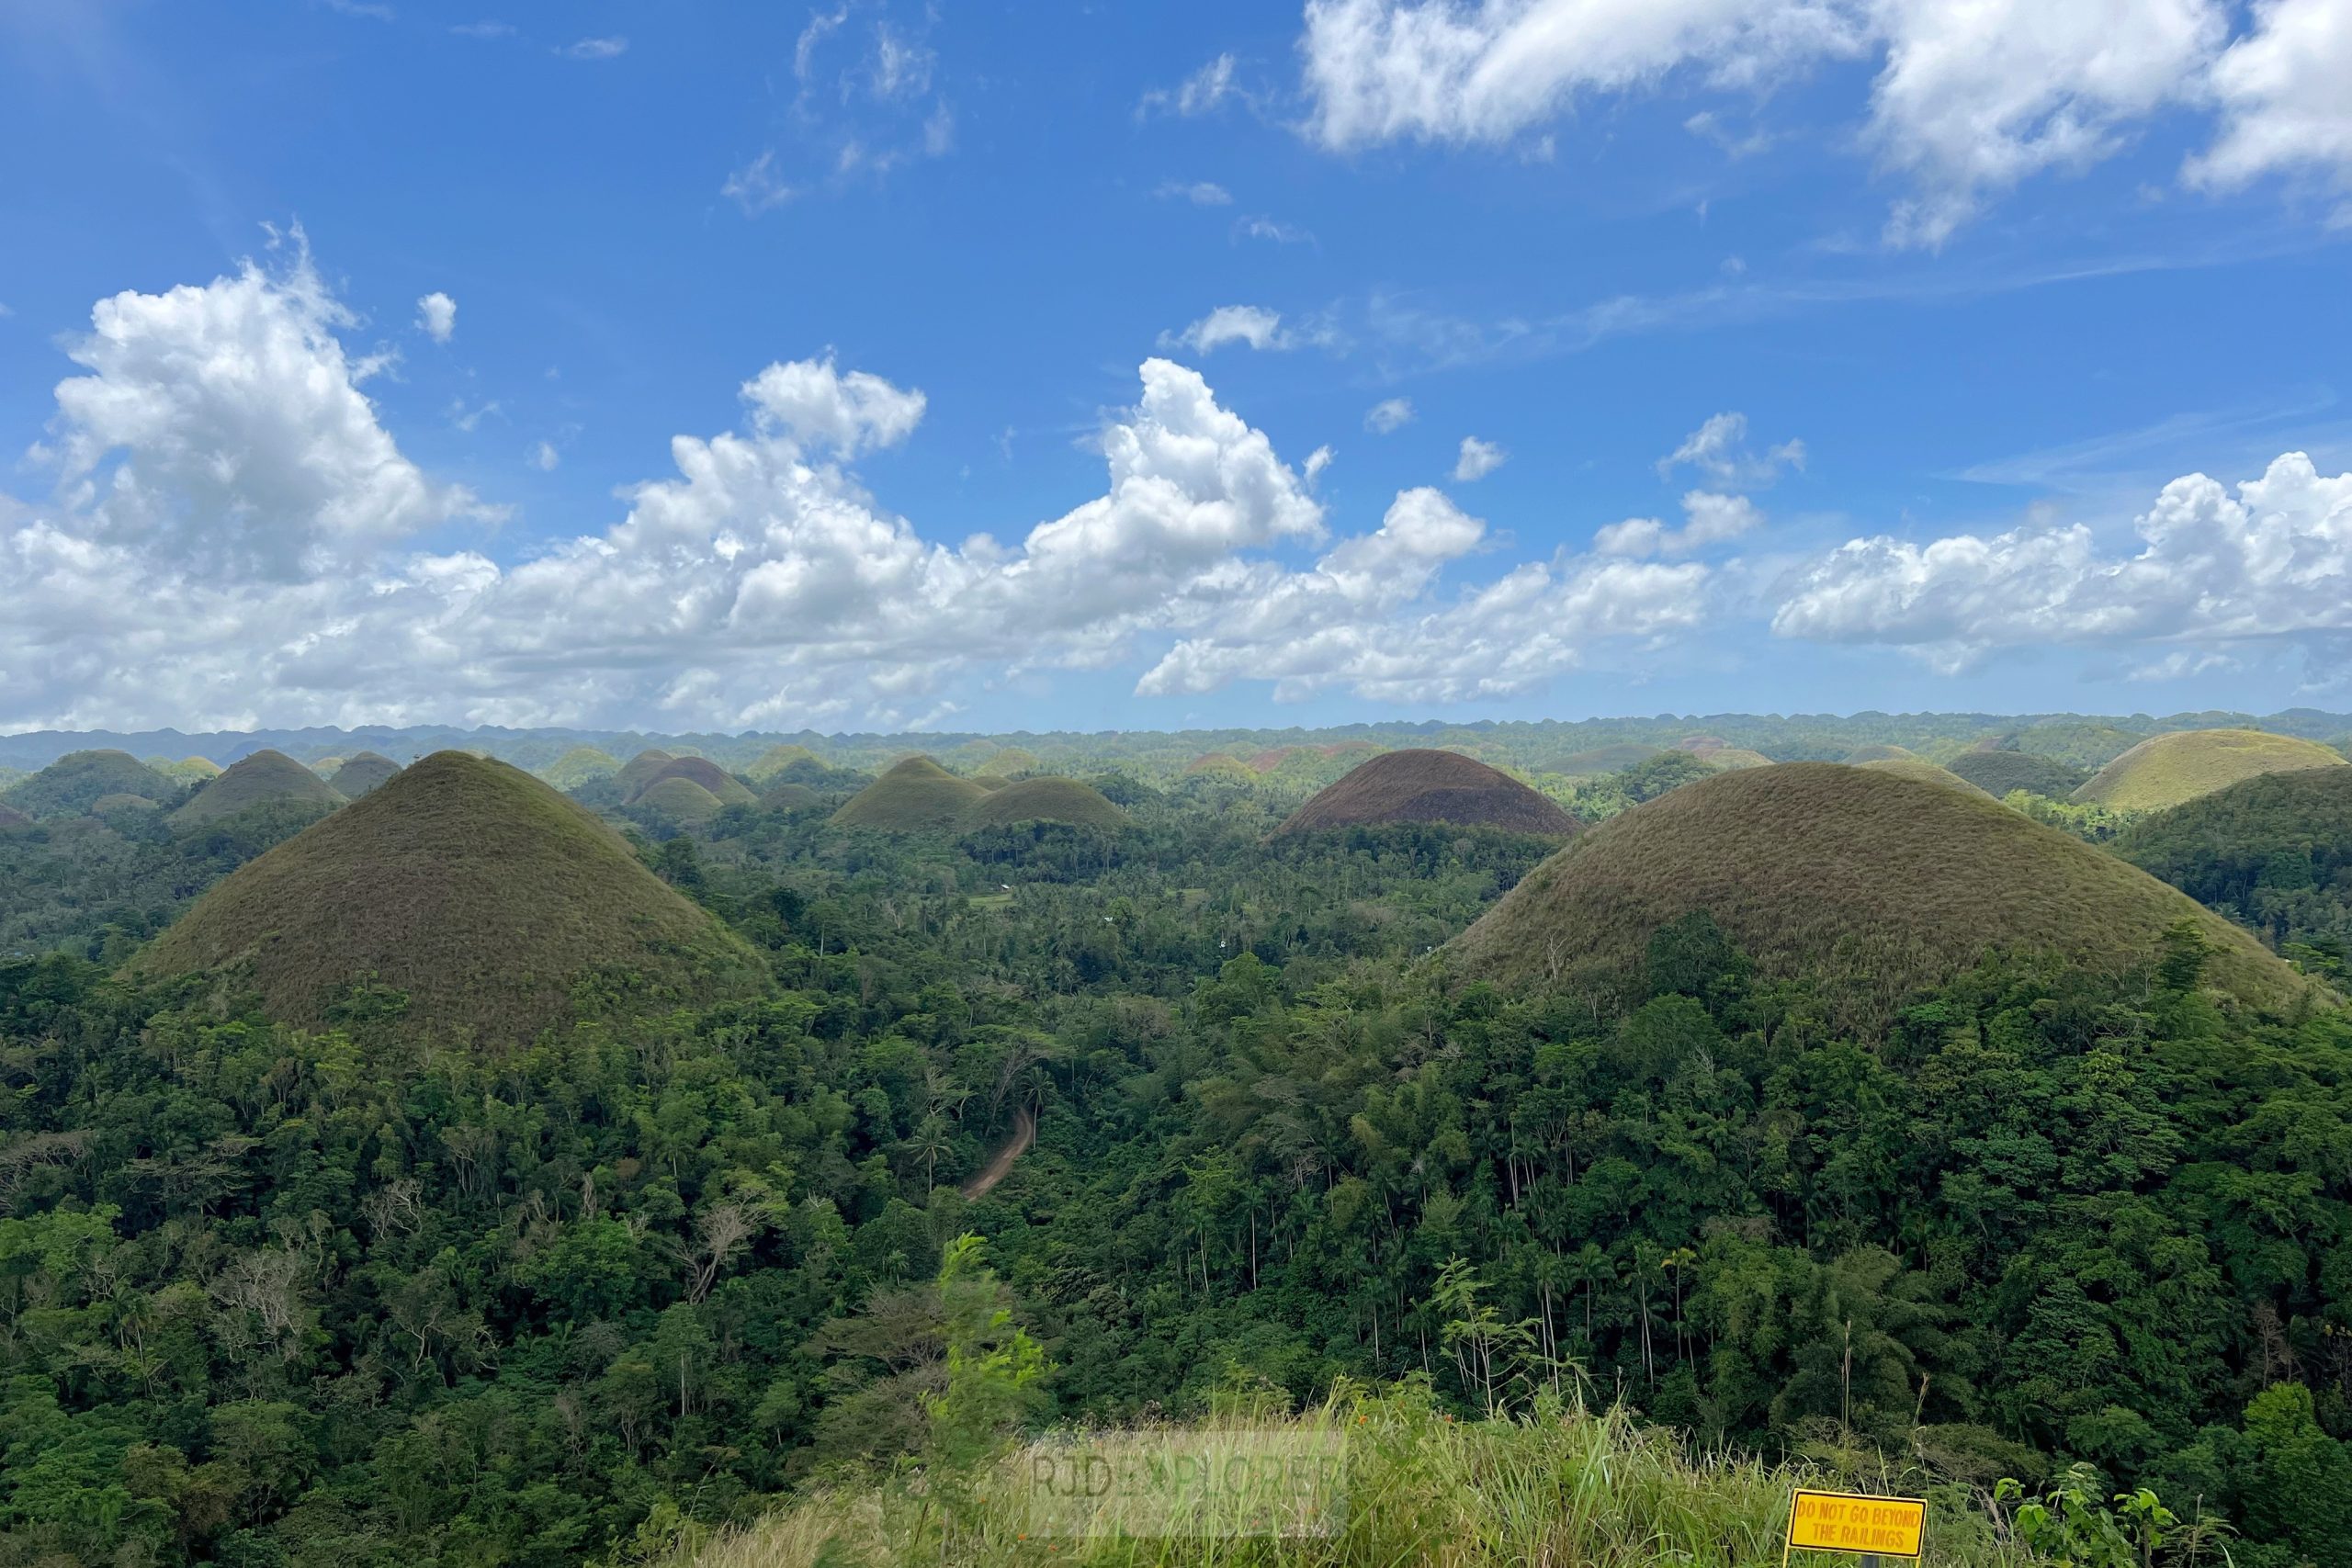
(2168, 769)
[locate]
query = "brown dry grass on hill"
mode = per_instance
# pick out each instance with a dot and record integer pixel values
(914, 795)
(724, 786)
(1430, 786)
(1881, 886)
(493, 901)
(264, 778)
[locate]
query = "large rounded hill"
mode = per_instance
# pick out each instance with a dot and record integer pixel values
(2288, 833)
(1881, 885)
(75, 781)
(723, 787)
(1998, 773)
(914, 794)
(264, 779)
(368, 770)
(1430, 786)
(486, 896)
(2169, 769)
(1044, 799)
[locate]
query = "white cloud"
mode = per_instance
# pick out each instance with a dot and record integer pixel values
(483, 30)
(596, 48)
(1969, 100)
(1317, 461)
(2273, 562)
(757, 186)
(1200, 193)
(1251, 325)
(236, 539)
(545, 458)
(1719, 449)
(2284, 100)
(1198, 94)
(1708, 518)
(437, 313)
(1280, 233)
(1389, 414)
(1478, 458)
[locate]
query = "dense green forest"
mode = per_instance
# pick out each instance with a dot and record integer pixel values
(365, 1295)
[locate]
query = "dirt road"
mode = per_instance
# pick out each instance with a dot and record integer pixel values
(1024, 1133)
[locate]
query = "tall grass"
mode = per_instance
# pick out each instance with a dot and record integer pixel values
(1551, 1489)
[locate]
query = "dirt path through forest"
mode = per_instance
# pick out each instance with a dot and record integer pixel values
(1024, 1133)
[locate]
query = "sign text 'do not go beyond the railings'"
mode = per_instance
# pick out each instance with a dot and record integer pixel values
(1837, 1521)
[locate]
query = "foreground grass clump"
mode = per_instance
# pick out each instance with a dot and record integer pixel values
(2170, 770)
(1879, 885)
(1556, 1486)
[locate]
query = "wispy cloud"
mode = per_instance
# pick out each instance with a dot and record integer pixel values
(1272, 229)
(757, 186)
(1198, 94)
(1200, 193)
(596, 48)
(484, 29)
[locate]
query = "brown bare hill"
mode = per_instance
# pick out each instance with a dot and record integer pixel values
(1044, 799)
(1430, 786)
(638, 770)
(367, 772)
(263, 778)
(725, 787)
(1879, 886)
(497, 904)
(914, 795)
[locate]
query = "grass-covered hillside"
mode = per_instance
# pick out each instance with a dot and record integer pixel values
(1422, 785)
(1598, 759)
(704, 773)
(369, 770)
(264, 780)
(1918, 770)
(474, 891)
(912, 794)
(75, 781)
(2275, 851)
(2168, 769)
(1044, 799)
(1999, 773)
(1889, 884)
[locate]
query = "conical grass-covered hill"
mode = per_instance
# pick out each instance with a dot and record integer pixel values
(722, 785)
(75, 781)
(681, 800)
(1881, 885)
(2170, 770)
(581, 765)
(914, 795)
(638, 771)
(367, 772)
(1009, 760)
(1045, 799)
(263, 778)
(489, 898)
(1911, 765)
(776, 759)
(1430, 786)
(1999, 772)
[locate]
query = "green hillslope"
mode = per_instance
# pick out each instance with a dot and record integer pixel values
(1998, 773)
(638, 770)
(1010, 760)
(1880, 884)
(914, 795)
(1910, 765)
(2168, 769)
(701, 771)
(1418, 786)
(1602, 760)
(263, 778)
(776, 759)
(2289, 832)
(1044, 800)
(366, 772)
(480, 892)
(581, 765)
(680, 800)
(73, 783)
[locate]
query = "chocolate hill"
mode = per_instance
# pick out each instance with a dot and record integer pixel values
(1430, 786)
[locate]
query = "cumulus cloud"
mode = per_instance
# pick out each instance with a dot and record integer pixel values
(437, 313)
(2273, 561)
(235, 538)
(1388, 414)
(1251, 325)
(1708, 518)
(2283, 98)
(1477, 460)
(1719, 449)
(1968, 100)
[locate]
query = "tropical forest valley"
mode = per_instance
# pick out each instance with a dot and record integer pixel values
(511, 1146)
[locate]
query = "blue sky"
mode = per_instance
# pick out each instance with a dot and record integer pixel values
(1943, 309)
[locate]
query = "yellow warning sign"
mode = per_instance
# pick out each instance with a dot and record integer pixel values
(1835, 1521)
